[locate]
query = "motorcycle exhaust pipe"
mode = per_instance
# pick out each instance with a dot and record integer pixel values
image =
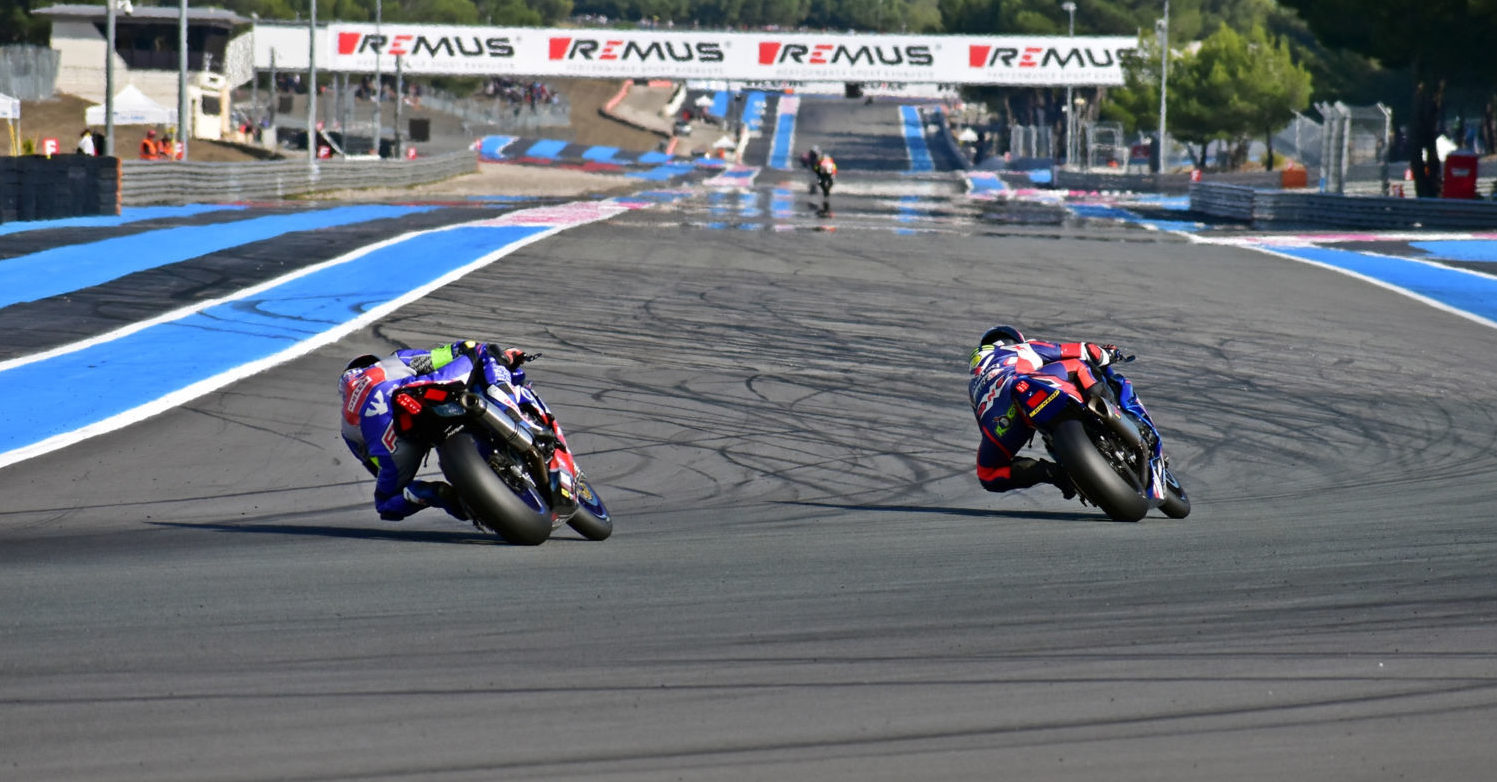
(510, 430)
(1118, 424)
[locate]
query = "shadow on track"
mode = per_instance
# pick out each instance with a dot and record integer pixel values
(1034, 515)
(360, 533)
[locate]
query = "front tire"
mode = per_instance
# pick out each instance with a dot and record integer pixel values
(1176, 503)
(591, 519)
(490, 500)
(1094, 475)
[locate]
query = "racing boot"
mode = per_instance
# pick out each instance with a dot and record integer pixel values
(1026, 472)
(438, 494)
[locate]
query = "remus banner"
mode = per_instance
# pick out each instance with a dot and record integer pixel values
(757, 57)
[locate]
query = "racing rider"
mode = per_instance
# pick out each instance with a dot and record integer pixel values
(1003, 358)
(369, 385)
(811, 162)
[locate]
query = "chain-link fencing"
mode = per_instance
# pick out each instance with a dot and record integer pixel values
(28, 72)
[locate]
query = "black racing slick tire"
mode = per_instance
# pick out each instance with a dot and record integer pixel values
(1094, 475)
(1176, 503)
(586, 520)
(487, 497)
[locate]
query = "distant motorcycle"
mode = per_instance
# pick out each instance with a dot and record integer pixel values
(1106, 442)
(823, 171)
(495, 443)
(824, 181)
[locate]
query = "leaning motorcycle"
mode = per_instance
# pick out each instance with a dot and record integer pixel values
(495, 442)
(1106, 442)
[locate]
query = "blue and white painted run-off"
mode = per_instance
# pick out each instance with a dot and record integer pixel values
(141, 370)
(32, 277)
(784, 132)
(110, 378)
(1467, 293)
(914, 139)
(127, 215)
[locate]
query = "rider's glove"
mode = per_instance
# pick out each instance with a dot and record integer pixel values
(1102, 355)
(512, 358)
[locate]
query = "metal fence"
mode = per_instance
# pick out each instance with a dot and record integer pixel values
(1105, 145)
(1029, 141)
(28, 72)
(1354, 137)
(157, 182)
(497, 114)
(1300, 141)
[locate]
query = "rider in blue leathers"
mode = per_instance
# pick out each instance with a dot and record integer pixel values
(1000, 363)
(367, 384)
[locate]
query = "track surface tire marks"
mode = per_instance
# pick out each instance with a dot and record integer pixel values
(806, 581)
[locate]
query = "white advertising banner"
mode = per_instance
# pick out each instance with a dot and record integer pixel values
(755, 57)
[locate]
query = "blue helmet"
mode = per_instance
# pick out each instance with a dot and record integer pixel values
(1001, 335)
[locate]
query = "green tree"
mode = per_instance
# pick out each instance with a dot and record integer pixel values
(17, 25)
(1442, 43)
(1231, 87)
(1274, 87)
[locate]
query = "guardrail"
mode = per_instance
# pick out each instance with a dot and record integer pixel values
(1280, 208)
(166, 182)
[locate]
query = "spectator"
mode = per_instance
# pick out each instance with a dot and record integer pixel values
(150, 149)
(86, 143)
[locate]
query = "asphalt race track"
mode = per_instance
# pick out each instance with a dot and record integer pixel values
(806, 581)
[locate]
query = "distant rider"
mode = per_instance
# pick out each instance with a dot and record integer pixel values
(811, 162)
(810, 158)
(367, 386)
(826, 173)
(1002, 359)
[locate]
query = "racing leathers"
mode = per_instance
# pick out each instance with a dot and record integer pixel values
(996, 369)
(368, 388)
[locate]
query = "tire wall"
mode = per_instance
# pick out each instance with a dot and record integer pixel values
(35, 187)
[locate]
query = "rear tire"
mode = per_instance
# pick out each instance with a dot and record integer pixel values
(490, 500)
(1093, 475)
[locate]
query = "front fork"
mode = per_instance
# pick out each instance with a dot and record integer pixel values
(1047, 399)
(540, 434)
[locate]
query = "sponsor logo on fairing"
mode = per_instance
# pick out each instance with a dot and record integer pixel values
(412, 45)
(777, 53)
(620, 50)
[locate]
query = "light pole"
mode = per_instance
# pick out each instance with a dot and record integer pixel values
(379, 87)
(184, 119)
(109, 81)
(312, 85)
(1070, 8)
(1164, 67)
(254, 69)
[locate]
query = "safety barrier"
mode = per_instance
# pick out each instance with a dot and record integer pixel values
(163, 182)
(1279, 208)
(48, 188)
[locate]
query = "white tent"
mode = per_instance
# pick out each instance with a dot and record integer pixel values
(10, 108)
(132, 107)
